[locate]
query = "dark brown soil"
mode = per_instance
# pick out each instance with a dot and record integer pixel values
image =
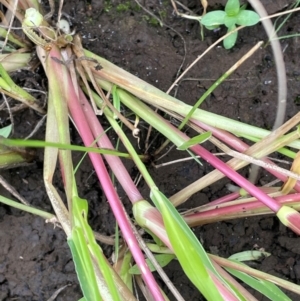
(35, 260)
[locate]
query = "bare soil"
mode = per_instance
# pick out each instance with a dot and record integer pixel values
(35, 260)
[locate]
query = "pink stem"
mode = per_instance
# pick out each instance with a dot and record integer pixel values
(241, 146)
(227, 198)
(192, 219)
(103, 176)
(114, 162)
(236, 177)
(235, 195)
(177, 137)
(231, 280)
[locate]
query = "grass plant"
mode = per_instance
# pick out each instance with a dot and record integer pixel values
(69, 85)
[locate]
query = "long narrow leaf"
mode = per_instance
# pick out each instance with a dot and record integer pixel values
(268, 289)
(162, 260)
(83, 265)
(195, 140)
(62, 146)
(187, 248)
(86, 243)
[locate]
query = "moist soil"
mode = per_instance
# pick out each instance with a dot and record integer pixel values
(35, 260)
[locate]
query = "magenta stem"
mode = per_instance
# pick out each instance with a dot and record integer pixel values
(85, 132)
(227, 198)
(114, 162)
(235, 195)
(113, 199)
(238, 208)
(240, 146)
(178, 138)
(236, 177)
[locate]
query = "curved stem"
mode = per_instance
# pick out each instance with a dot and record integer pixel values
(281, 75)
(280, 67)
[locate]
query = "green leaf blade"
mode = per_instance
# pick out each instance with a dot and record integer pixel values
(249, 255)
(247, 18)
(190, 253)
(268, 289)
(116, 100)
(162, 260)
(90, 252)
(232, 7)
(84, 267)
(230, 21)
(5, 132)
(213, 19)
(195, 140)
(230, 41)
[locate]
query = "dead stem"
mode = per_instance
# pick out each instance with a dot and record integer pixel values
(11, 14)
(13, 191)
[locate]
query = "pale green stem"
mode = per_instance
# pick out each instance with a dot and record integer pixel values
(255, 273)
(217, 83)
(15, 61)
(45, 215)
(42, 144)
(113, 74)
(8, 87)
(57, 130)
(136, 158)
(11, 38)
